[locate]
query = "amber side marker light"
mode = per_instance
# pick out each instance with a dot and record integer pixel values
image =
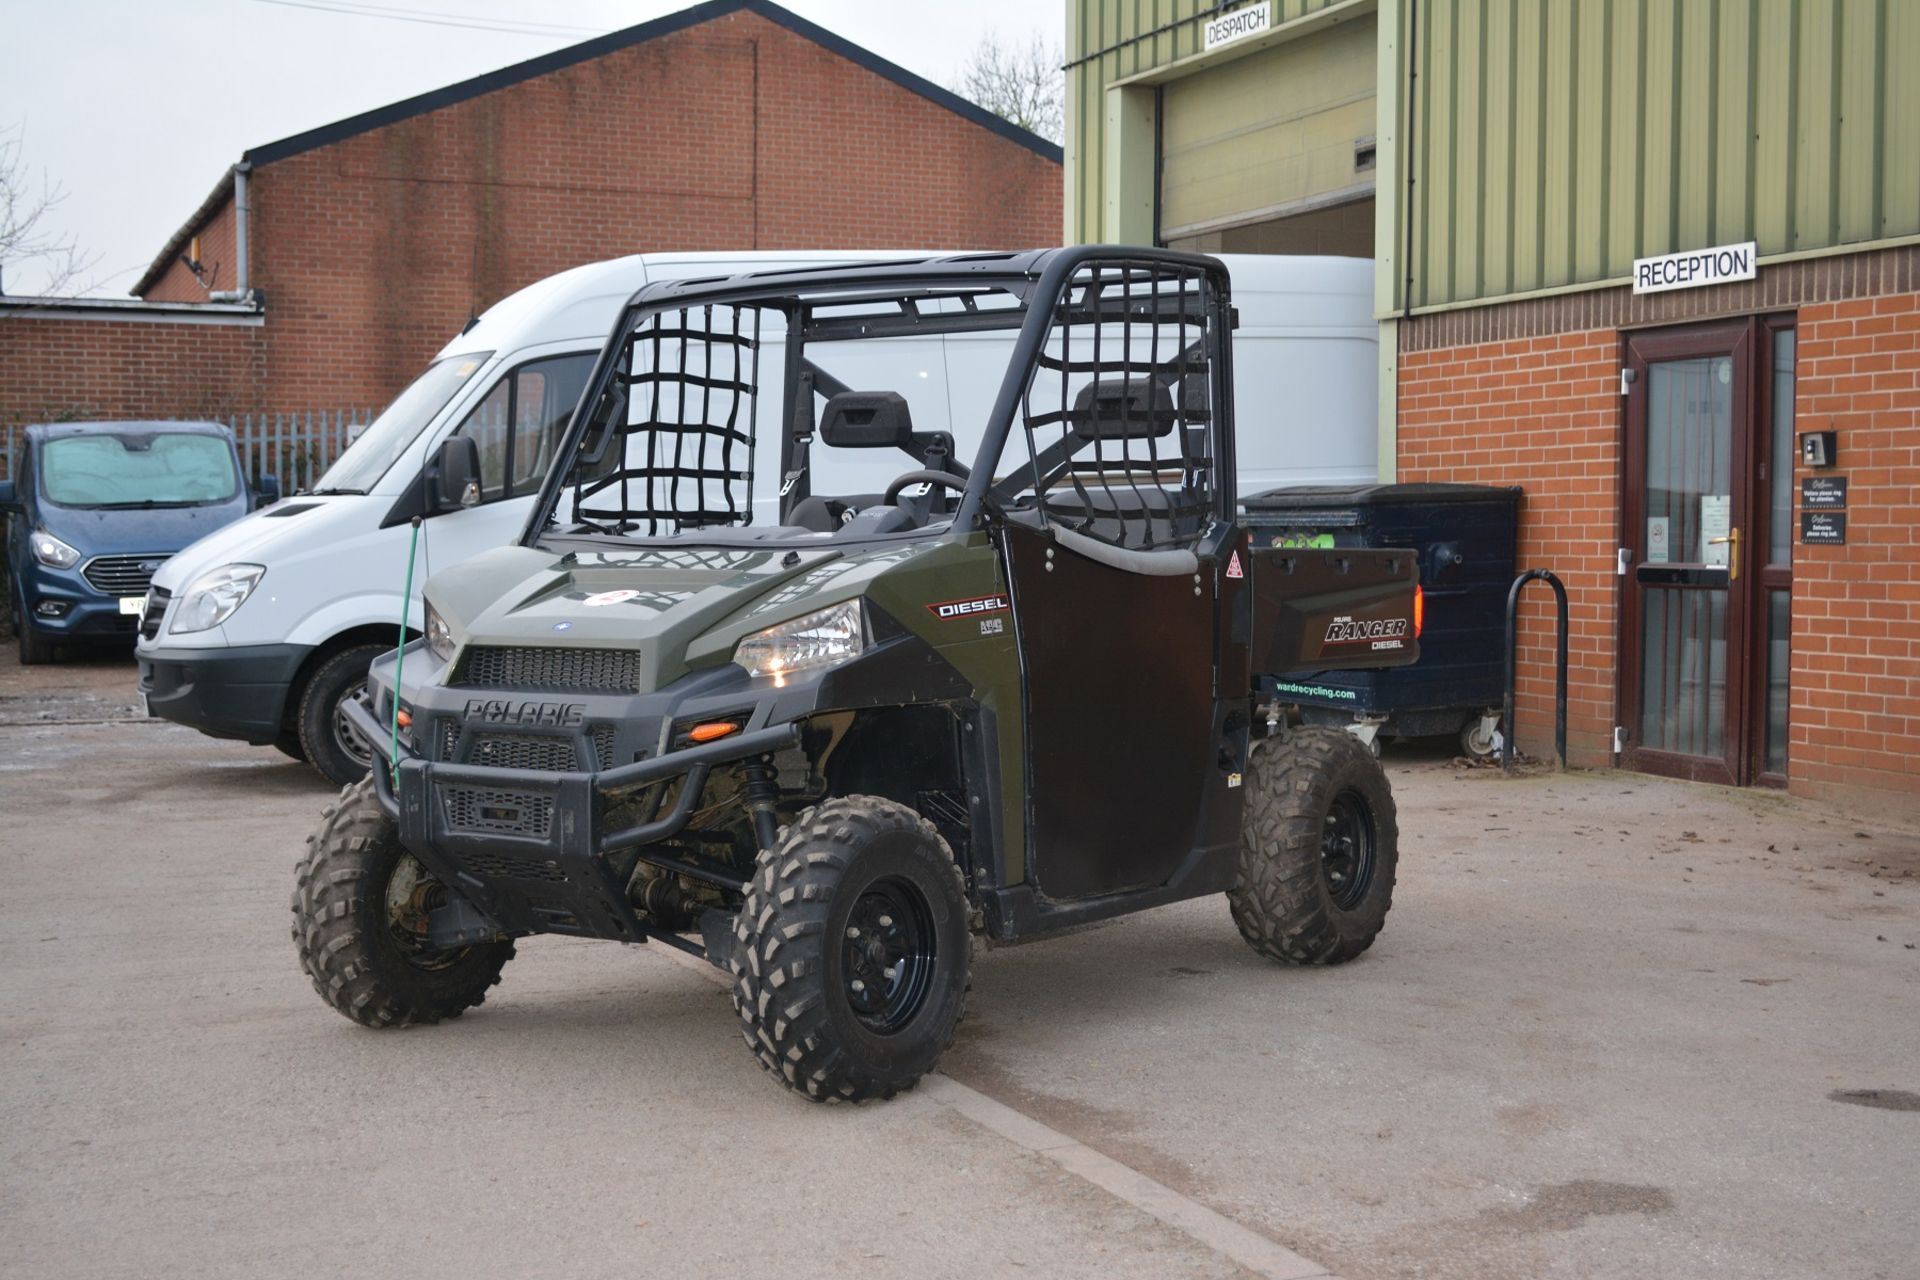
(405, 718)
(1419, 610)
(712, 732)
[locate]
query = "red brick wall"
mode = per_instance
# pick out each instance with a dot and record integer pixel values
(1542, 413)
(219, 263)
(734, 134)
(54, 369)
(1855, 721)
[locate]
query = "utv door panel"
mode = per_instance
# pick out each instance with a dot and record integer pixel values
(1119, 708)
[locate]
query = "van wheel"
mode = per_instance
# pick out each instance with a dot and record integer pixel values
(332, 746)
(1318, 849)
(288, 744)
(851, 951)
(35, 648)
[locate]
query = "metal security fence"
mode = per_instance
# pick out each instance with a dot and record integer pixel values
(295, 447)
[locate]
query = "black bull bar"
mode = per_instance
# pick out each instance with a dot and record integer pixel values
(559, 881)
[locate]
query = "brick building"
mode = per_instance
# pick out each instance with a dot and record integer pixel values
(325, 269)
(1629, 257)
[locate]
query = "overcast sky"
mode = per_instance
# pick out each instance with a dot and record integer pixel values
(136, 107)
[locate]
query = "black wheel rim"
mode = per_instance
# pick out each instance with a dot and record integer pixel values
(1347, 850)
(412, 894)
(887, 955)
(344, 735)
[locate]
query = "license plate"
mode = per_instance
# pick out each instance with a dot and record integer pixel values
(132, 605)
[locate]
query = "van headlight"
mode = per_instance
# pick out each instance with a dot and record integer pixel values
(439, 636)
(52, 552)
(811, 642)
(211, 598)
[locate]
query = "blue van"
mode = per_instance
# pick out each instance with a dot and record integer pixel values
(96, 507)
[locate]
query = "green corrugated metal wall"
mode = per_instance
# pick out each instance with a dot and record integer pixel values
(1640, 127)
(1102, 46)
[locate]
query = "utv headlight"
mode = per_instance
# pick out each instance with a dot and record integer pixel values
(439, 636)
(808, 643)
(211, 598)
(52, 552)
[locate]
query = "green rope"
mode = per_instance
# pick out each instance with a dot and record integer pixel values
(400, 660)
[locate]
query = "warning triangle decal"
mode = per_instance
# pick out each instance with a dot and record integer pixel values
(1233, 566)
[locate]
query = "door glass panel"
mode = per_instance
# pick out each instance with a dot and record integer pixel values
(1779, 663)
(1683, 677)
(487, 427)
(1689, 460)
(1689, 506)
(1780, 548)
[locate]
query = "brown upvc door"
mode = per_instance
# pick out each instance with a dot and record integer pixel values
(1706, 556)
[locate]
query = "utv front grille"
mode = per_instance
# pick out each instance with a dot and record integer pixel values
(156, 609)
(123, 575)
(524, 751)
(616, 670)
(495, 867)
(498, 810)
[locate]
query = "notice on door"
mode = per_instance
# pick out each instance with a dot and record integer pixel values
(1716, 525)
(1659, 547)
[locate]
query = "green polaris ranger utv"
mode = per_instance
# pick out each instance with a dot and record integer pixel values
(718, 700)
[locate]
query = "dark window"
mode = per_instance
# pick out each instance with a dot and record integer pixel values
(518, 424)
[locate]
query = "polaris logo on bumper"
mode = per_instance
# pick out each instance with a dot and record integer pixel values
(1379, 633)
(558, 715)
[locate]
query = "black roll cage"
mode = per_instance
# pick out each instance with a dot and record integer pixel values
(1034, 276)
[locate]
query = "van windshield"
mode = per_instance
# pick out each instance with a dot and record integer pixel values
(138, 469)
(367, 459)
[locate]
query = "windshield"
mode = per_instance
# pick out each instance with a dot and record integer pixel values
(137, 469)
(367, 459)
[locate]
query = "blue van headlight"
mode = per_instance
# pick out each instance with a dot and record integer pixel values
(52, 552)
(211, 598)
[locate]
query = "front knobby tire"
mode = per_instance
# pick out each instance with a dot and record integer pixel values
(359, 918)
(852, 951)
(1318, 849)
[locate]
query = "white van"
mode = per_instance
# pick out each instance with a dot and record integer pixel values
(262, 630)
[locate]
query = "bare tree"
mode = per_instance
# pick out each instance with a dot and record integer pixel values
(26, 238)
(1024, 85)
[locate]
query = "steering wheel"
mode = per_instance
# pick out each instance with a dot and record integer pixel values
(945, 479)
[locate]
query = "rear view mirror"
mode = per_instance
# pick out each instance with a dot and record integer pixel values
(867, 420)
(266, 491)
(453, 479)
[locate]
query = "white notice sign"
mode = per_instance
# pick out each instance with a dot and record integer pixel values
(1695, 268)
(1240, 24)
(1659, 550)
(1716, 519)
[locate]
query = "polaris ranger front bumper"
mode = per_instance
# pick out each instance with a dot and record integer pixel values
(531, 848)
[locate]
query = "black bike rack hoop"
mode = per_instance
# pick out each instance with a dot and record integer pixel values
(1513, 641)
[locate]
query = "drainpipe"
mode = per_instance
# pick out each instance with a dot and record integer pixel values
(243, 288)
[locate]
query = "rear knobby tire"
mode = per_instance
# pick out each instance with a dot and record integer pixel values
(852, 951)
(325, 740)
(354, 938)
(1318, 849)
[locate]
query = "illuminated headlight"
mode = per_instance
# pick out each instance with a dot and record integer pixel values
(439, 636)
(52, 552)
(809, 643)
(211, 598)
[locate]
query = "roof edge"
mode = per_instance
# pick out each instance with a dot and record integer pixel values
(221, 193)
(614, 41)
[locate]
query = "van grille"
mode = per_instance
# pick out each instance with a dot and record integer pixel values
(156, 609)
(492, 667)
(123, 575)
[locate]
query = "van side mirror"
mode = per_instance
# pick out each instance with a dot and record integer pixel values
(453, 479)
(10, 503)
(266, 491)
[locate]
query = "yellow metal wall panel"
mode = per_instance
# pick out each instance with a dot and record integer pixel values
(1817, 126)
(1774, 146)
(1269, 130)
(1900, 114)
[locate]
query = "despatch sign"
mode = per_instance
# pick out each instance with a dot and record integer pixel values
(1695, 268)
(1239, 24)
